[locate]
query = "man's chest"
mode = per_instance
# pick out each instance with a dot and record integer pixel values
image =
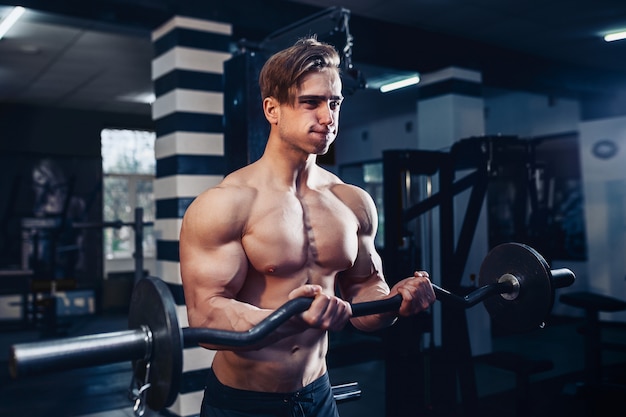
(287, 234)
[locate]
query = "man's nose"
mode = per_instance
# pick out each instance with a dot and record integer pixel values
(326, 116)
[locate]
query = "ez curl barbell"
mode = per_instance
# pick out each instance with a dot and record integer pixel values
(516, 285)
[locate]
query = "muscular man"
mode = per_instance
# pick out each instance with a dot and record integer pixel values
(281, 228)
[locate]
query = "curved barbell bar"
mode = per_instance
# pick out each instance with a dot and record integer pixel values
(516, 272)
(135, 344)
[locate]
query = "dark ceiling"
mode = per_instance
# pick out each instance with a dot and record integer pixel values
(548, 46)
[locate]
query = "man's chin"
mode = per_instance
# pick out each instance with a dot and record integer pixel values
(323, 150)
(322, 144)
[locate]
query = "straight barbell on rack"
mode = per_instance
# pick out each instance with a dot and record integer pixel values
(517, 288)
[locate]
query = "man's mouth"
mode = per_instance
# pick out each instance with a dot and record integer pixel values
(323, 132)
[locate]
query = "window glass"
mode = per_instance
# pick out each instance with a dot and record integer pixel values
(128, 151)
(128, 164)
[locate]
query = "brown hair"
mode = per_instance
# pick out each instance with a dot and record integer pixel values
(283, 71)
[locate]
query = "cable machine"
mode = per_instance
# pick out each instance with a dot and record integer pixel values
(411, 213)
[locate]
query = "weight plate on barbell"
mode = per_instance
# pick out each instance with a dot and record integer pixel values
(529, 309)
(152, 305)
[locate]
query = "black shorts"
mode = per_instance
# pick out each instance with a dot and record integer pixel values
(314, 400)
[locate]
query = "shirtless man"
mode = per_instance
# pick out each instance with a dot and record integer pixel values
(281, 228)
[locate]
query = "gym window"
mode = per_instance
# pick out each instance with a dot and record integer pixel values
(128, 167)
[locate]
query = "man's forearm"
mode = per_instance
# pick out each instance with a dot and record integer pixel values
(375, 321)
(232, 315)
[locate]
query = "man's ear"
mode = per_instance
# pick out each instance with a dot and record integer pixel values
(271, 109)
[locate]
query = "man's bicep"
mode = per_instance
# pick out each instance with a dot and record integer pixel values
(212, 263)
(366, 272)
(221, 268)
(211, 275)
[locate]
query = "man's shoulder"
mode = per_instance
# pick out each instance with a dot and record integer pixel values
(349, 191)
(230, 193)
(230, 190)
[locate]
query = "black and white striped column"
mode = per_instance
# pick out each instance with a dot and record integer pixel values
(187, 72)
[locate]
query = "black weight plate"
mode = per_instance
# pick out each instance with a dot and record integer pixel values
(531, 307)
(152, 305)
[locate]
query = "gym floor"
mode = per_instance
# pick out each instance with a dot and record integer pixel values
(102, 391)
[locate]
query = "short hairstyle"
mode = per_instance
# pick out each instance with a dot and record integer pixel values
(283, 72)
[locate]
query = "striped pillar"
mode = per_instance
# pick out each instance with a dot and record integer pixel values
(187, 71)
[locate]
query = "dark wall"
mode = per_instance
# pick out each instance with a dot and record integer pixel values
(59, 131)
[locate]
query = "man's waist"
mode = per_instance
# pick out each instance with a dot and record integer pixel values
(281, 373)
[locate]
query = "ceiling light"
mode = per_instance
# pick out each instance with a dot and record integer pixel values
(615, 36)
(10, 19)
(144, 97)
(400, 83)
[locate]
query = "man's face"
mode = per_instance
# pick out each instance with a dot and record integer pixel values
(310, 123)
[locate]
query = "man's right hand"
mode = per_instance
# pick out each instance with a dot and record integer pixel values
(327, 312)
(417, 293)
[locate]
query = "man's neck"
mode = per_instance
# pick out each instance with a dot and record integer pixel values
(292, 173)
(288, 164)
